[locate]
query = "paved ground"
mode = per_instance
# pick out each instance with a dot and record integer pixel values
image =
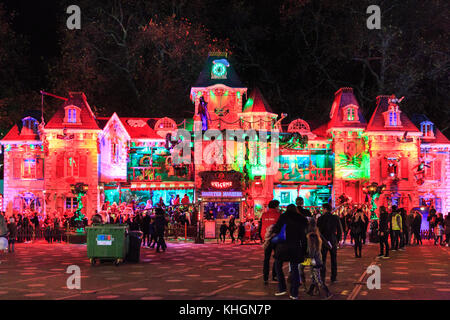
(212, 271)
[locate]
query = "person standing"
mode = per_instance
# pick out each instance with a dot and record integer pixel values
(396, 224)
(305, 212)
(160, 227)
(232, 227)
(384, 233)
(223, 231)
(348, 222)
(292, 250)
(330, 228)
(357, 230)
(12, 230)
(408, 231)
(439, 229)
(185, 200)
(365, 220)
(146, 229)
(402, 213)
(314, 244)
(417, 223)
(447, 229)
(269, 218)
(431, 223)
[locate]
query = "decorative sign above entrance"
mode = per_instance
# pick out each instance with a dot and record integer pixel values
(221, 181)
(222, 194)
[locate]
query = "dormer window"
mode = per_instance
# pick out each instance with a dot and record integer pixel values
(72, 115)
(351, 113)
(392, 116)
(29, 126)
(427, 129)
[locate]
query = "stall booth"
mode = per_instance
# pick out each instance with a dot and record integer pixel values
(220, 197)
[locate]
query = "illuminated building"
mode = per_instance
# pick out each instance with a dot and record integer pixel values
(124, 159)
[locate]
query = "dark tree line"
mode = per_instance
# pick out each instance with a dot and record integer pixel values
(140, 57)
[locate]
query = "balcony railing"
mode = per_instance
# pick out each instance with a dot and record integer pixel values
(317, 175)
(144, 174)
(149, 174)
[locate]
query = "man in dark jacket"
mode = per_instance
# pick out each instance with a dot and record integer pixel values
(146, 229)
(417, 222)
(330, 227)
(384, 233)
(300, 202)
(160, 226)
(292, 250)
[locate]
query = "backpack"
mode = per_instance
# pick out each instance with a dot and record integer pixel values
(281, 236)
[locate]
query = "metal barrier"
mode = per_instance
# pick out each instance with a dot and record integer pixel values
(31, 234)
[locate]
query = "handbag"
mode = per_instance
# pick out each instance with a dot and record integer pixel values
(280, 237)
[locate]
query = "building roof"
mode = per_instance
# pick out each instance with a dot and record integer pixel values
(439, 137)
(377, 122)
(14, 135)
(256, 102)
(87, 117)
(140, 128)
(342, 98)
(204, 80)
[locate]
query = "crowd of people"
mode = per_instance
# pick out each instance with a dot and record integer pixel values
(31, 225)
(304, 239)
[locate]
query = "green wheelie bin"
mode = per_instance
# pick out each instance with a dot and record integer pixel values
(107, 242)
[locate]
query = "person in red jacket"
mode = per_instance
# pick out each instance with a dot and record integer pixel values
(268, 218)
(185, 200)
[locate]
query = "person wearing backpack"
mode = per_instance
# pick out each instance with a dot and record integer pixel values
(357, 228)
(292, 249)
(397, 225)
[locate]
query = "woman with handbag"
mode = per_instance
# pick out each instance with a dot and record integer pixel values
(290, 247)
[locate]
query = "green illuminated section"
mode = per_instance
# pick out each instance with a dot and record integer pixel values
(248, 104)
(353, 167)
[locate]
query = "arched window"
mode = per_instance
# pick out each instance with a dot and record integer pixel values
(350, 113)
(72, 114)
(300, 126)
(427, 129)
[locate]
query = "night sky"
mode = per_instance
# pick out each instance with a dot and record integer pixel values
(297, 73)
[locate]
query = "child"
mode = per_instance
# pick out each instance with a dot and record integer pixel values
(223, 231)
(314, 253)
(439, 233)
(12, 229)
(241, 232)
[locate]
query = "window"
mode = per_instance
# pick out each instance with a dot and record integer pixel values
(351, 114)
(114, 151)
(29, 169)
(72, 118)
(72, 115)
(427, 129)
(392, 118)
(71, 203)
(72, 167)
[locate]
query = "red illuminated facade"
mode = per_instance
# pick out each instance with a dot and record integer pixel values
(122, 158)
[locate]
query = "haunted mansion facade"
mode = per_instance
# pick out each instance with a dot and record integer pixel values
(124, 159)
